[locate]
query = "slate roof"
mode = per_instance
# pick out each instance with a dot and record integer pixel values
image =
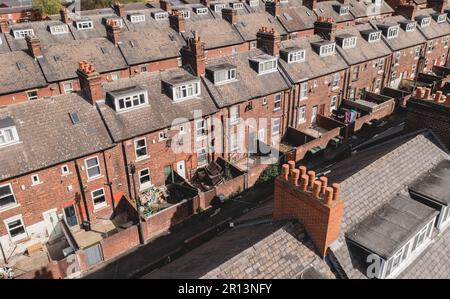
(404, 39)
(161, 109)
(4, 47)
(249, 24)
(19, 72)
(255, 250)
(373, 177)
(296, 17)
(314, 66)
(435, 29)
(365, 8)
(249, 83)
(47, 135)
(60, 62)
(42, 31)
(326, 9)
(363, 51)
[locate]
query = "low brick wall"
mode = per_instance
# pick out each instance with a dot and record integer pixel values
(386, 108)
(120, 242)
(231, 186)
(54, 270)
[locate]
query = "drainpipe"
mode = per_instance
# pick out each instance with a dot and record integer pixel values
(5, 260)
(131, 171)
(83, 196)
(109, 183)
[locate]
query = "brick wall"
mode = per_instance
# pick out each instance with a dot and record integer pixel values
(437, 56)
(120, 242)
(155, 66)
(405, 65)
(18, 97)
(368, 76)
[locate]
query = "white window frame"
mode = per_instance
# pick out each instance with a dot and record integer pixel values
(327, 50)
(139, 18)
(137, 147)
(277, 102)
(253, 3)
(34, 97)
(144, 186)
(59, 29)
(374, 37)
(163, 135)
(11, 137)
(94, 166)
(301, 114)
(67, 90)
(20, 237)
(303, 92)
(297, 56)
(276, 123)
(22, 33)
(392, 32)
(218, 7)
(333, 103)
(234, 142)
(202, 128)
(201, 10)
(65, 172)
(268, 66)
(160, 16)
(130, 99)
(228, 75)
(191, 90)
(445, 41)
(11, 194)
(425, 22)
(349, 42)
(237, 5)
(84, 25)
(35, 180)
(344, 10)
(186, 14)
(102, 204)
(417, 51)
(411, 27)
(200, 152)
(336, 80)
(234, 115)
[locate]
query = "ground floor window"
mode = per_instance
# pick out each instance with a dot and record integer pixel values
(99, 199)
(202, 157)
(16, 228)
(144, 179)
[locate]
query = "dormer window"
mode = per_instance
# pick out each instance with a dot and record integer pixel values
(59, 29)
(162, 15)
(349, 42)
(328, 49)
(84, 25)
(128, 98)
(425, 22)
(441, 18)
(292, 55)
(222, 73)
(265, 64)
(186, 91)
(118, 21)
(201, 10)
(237, 5)
(392, 32)
(253, 3)
(344, 10)
(218, 7)
(137, 18)
(374, 37)
(22, 33)
(8, 132)
(410, 27)
(186, 14)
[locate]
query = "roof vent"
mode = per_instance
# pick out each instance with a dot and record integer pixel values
(74, 117)
(21, 65)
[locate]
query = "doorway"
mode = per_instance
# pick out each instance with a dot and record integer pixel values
(71, 216)
(181, 168)
(52, 224)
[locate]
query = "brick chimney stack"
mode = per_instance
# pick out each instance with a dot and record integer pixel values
(113, 32)
(165, 5)
(34, 46)
(64, 13)
(438, 5)
(318, 208)
(326, 28)
(230, 15)
(269, 41)
(177, 22)
(4, 26)
(90, 82)
(119, 9)
(205, 2)
(273, 7)
(409, 11)
(194, 55)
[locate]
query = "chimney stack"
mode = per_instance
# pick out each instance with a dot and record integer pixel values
(318, 208)
(230, 15)
(177, 22)
(269, 41)
(427, 94)
(165, 5)
(326, 28)
(64, 13)
(409, 11)
(34, 46)
(4, 26)
(119, 9)
(113, 31)
(205, 2)
(273, 7)
(193, 54)
(438, 5)
(90, 82)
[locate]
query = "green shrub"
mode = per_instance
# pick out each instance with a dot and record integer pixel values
(270, 173)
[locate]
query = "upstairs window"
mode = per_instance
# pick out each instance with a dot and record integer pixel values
(137, 18)
(267, 66)
(277, 102)
(140, 146)
(84, 25)
(201, 10)
(349, 42)
(355, 75)
(303, 90)
(159, 16)
(234, 115)
(8, 135)
(327, 50)
(186, 91)
(222, 76)
(163, 135)
(374, 37)
(380, 64)
(218, 7)
(92, 168)
(200, 129)
(336, 80)
(22, 33)
(7, 197)
(333, 103)
(301, 114)
(392, 32)
(411, 27)
(417, 51)
(297, 56)
(59, 29)
(425, 22)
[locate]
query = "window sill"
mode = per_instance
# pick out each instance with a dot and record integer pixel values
(277, 109)
(9, 207)
(36, 184)
(200, 138)
(102, 207)
(303, 99)
(143, 158)
(94, 179)
(335, 87)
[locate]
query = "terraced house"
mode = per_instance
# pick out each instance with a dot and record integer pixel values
(104, 113)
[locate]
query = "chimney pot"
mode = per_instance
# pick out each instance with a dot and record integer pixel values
(312, 178)
(295, 173)
(269, 41)
(90, 82)
(317, 186)
(302, 170)
(437, 96)
(336, 191)
(324, 181)
(328, 195)
(427, 93)
(291, 164)
(285, 171)
(304, 182)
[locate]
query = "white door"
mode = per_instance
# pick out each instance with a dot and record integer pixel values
(52, 224)
(314, 115)
(181, 168)
(262, 135)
